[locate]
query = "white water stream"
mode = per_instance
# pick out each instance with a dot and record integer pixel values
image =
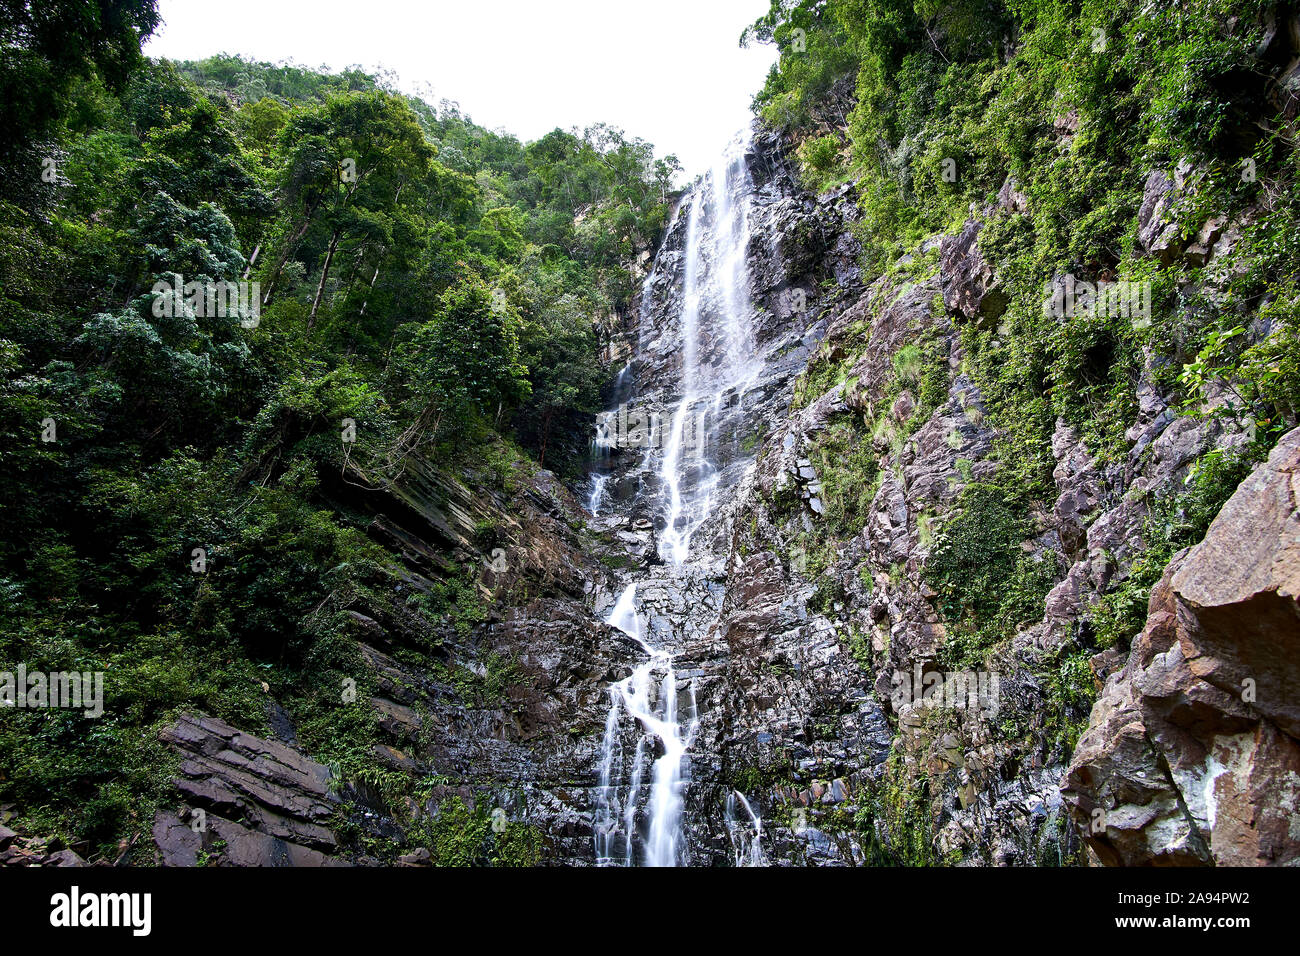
(639, 821)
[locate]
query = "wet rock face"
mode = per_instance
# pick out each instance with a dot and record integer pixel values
(796, 242)
(529, 746)
(745, 659)
(804, 722)
(1192, 755)
(795, 679)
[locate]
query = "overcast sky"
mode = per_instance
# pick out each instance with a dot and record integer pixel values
(669, 71)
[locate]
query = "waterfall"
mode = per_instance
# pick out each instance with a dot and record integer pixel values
(746, 835)
(601, 445)
(715, 299)
(634, 823)
(652, 703)
(597, 492)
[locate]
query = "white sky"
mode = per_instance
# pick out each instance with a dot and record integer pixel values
(669, 71)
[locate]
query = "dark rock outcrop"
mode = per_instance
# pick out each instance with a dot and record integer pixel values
(267, 803)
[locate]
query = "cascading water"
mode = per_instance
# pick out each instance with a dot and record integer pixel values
(600, 447)
(715, 299)
(747, 834)
(652, 702)
(597, 493)
(716, 360)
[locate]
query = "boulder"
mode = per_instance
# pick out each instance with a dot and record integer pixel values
(1157, 231)
(270, 804)
(1192, 753)
(64, 858)
(1239, 590)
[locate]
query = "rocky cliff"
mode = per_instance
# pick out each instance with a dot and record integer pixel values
(822, 555)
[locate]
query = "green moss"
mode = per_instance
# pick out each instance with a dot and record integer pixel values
(488, 689)
(895, 819)
(457, 836)
(849, 471)
(1070, 696)
(828, 593)
(456, 600)
(860, 647)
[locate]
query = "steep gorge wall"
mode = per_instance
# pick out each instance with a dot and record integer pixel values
(840, 471)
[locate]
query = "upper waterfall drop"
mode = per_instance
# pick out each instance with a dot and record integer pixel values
(716, 342)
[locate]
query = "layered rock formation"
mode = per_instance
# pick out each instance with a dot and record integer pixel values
(261, 802)
(503, 713)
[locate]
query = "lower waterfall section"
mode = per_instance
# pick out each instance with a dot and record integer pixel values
(746, 832)
(649, 699)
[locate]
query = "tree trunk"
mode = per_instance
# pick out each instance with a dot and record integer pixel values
(288, 251)
(324, 274)
(382, 250)
(251, 261)
(366, 301)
